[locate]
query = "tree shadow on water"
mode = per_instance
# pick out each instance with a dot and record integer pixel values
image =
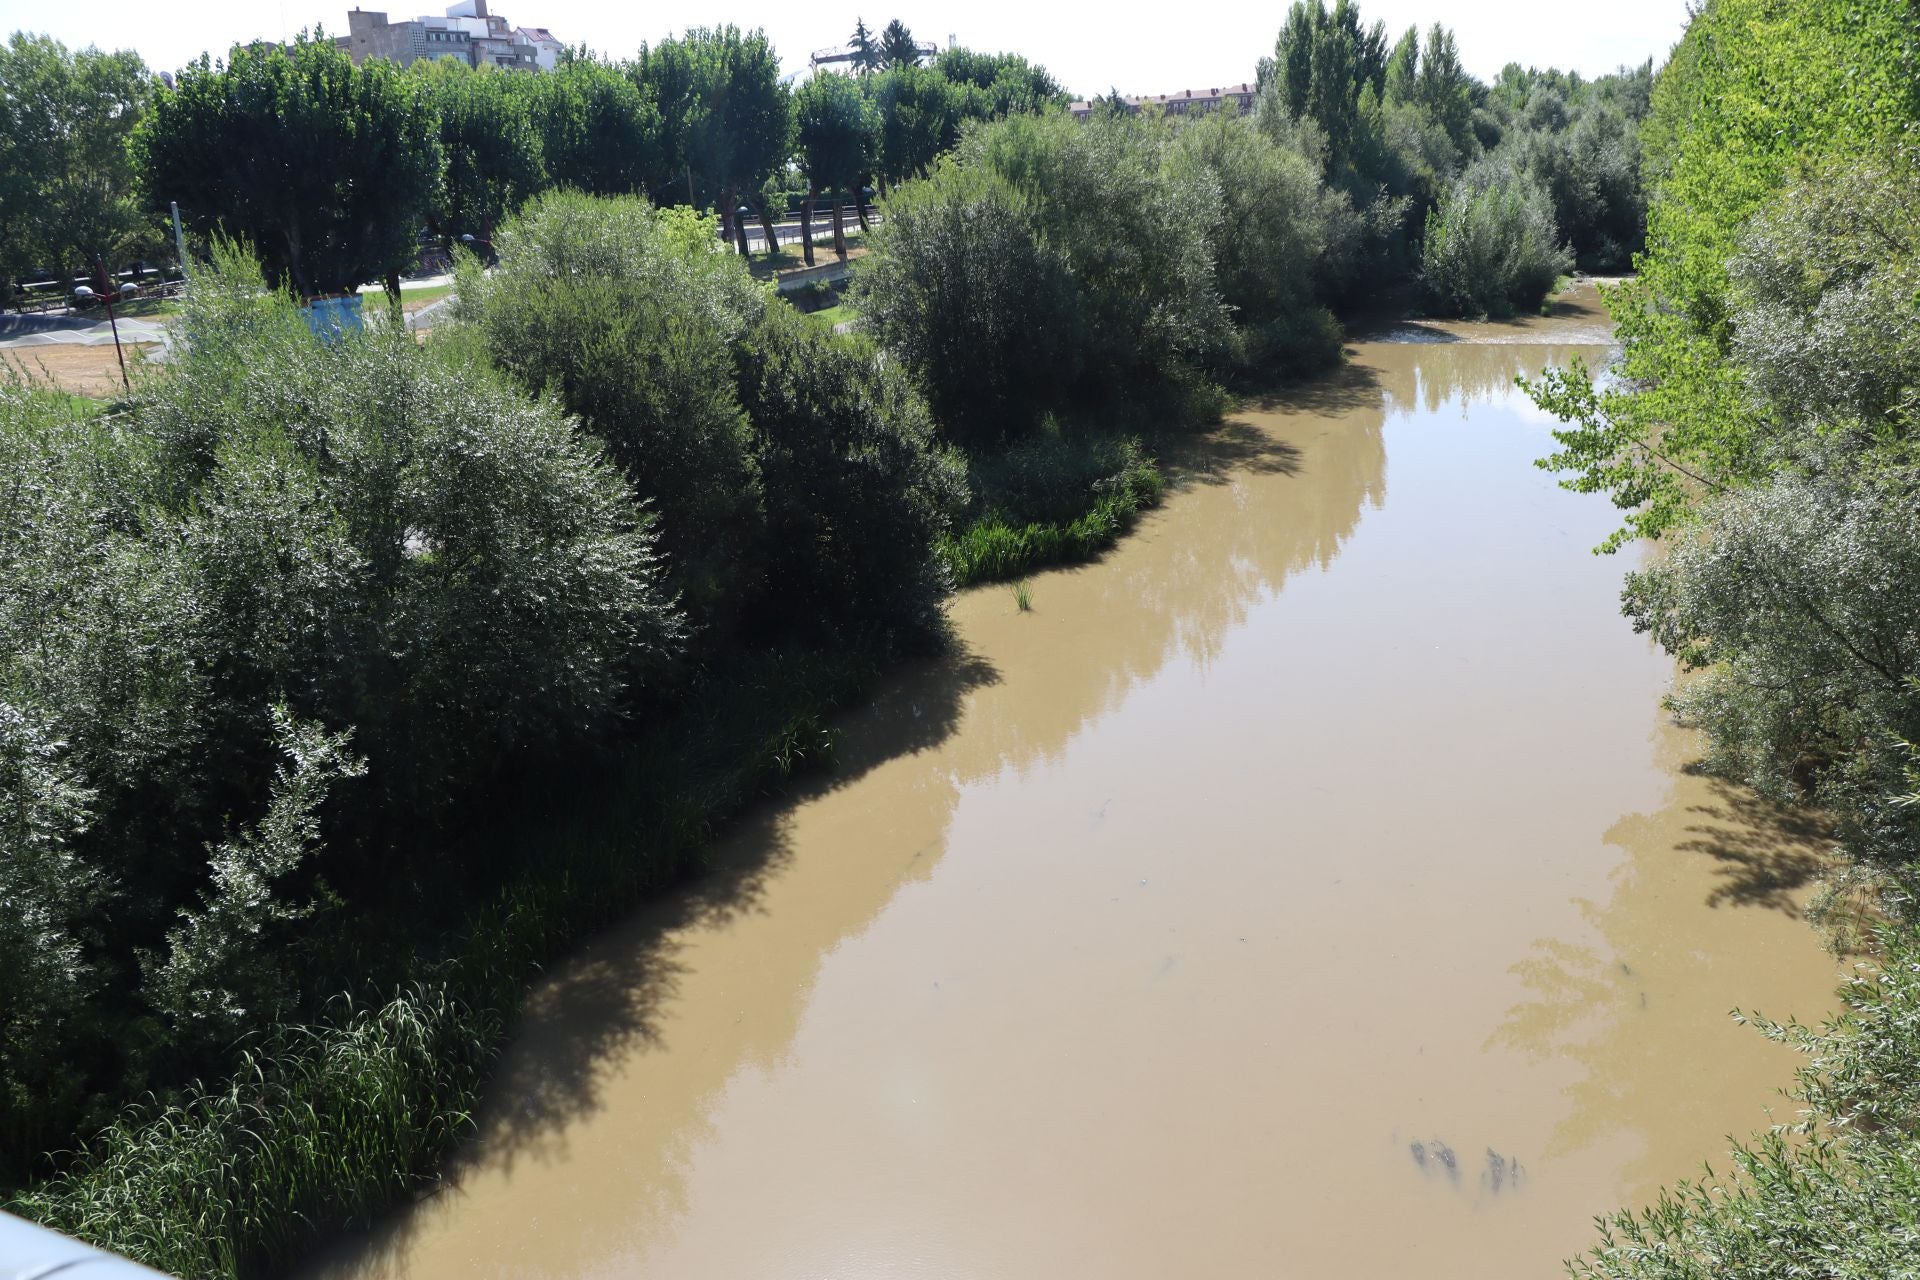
(1766, 853)
(611, 999)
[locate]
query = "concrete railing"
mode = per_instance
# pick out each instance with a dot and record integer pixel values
(28, 1252)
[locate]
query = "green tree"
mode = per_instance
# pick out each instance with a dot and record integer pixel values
(897, 47)
(1445, 90)
(919, 113)
(492, 151)
(866, 54)
(1322, 63)
(839, 136)
(327, 169)
(67, 188)
(1492, 247)
(1280, 243)
(1000, 83)
(599, 131)
(725, 114)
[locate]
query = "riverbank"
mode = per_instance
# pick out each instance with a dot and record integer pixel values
(1190, 916)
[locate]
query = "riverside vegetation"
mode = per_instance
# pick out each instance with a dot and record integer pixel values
(1763, 422)
(345, 685)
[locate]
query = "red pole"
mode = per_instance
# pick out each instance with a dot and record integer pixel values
(106, 293)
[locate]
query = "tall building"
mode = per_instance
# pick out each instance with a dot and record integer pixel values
(467, 32)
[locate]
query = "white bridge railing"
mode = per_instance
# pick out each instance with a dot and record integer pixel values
(28, 1252)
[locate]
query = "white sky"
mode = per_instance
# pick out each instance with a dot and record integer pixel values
(1138, 48)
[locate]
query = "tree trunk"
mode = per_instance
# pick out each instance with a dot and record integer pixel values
(806, 223)
(839, 231)
(739, 223)
(766, 225)
(860, 207)
(393, 292)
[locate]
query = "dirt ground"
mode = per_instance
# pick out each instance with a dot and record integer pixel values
(82, 370)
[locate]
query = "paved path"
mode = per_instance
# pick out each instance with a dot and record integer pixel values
(85, 331)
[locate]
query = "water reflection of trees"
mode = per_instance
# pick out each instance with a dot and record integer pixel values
(1642, 1007)
(1466, 372)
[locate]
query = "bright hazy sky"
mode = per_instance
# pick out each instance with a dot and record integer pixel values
(1138, 48)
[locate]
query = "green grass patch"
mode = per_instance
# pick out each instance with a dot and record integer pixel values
(827, 318)
(1053, 501)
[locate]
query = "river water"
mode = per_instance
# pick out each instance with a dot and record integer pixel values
(1312, 888)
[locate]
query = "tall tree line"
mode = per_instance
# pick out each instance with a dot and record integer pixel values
(332, 170)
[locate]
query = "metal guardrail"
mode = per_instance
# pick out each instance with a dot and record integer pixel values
(29, 1252)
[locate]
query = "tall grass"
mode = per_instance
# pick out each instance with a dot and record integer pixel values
(320, 1127)
(998, 545)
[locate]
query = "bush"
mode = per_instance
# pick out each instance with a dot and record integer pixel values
(857, 489)
(1840, 1202)
(1492, 247)
(276, 544)
(1280, 243)
(963, 293)
(1050, 266)
(798, 484)
(627, 315)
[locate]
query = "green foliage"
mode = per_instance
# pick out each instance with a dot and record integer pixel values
(627, 315)
(372, 536)
(866, 54)
(857, 490)
(224, 964)
(1839, 1202)
(1055, 499)
(959, 288)
(1280, 245)
(599, 131)
(1051, 264)
(352, 152)
(998, 85)
(487, 139)
(796, 481)
(1756, 90)
(726, 117)
(1492, 247)
(838, 131)
(320, 1124)
(897, 47)
(67, 189)
(1800, 599)
(919, 112)
(1322, 65)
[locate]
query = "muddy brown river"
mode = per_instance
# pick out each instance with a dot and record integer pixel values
(1312, 888)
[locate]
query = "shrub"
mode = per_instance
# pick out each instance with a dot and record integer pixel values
(1492, 247)
(627, 315)
(857, 489)
(798, 484)
(963, 293)
(1051, 265)
(379, 539)
(1840, 1202)
(1279, 244)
